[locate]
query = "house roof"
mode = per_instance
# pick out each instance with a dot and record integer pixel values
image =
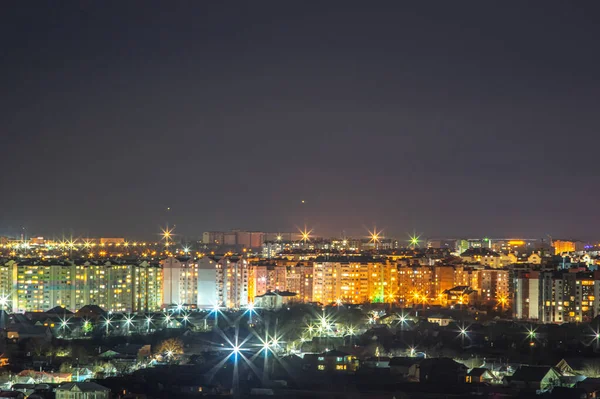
(92, 309)
(575, 363)
(59, 310)
(531, 373)
(83, 386)
(478, 371)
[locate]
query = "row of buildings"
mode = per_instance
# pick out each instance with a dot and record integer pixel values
(235, 282)
(122, 285)
(537, 293)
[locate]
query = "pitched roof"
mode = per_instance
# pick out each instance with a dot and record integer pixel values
(59, 310)
(478, 371)
(92, 309)
(531, 373)
(83, 386)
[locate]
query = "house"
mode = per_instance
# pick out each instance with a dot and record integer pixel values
(576, 366)
(273, 300)
(21, 331)
(480, 375)
(31, 390)
(443, 321)
(82, 390)
(34, 377)
(438, 370)
(81, 374)
(127, 352)
(539, 378)
(400, 366)
(459, 295)
(332, 361)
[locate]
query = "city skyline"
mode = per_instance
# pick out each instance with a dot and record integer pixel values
(274, 115)
(293, 199)
(305, 234)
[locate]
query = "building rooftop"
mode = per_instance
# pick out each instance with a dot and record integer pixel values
(82, 386)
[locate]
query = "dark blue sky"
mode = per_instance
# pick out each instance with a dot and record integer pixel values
(451, 118)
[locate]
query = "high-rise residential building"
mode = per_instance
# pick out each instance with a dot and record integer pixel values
(238, 238)
(526, 295)
(35, 285)
(429, 284)
(382, 282)
(234, 276)
(415, 284)
(265, 276)
(180, 281)
(566, 246)
(117, 285)
(213, 237)
(223, 282)
(147, 287)
(492, 284)
(354, 281)
(208, 286)
(299, 280)
(565, 296)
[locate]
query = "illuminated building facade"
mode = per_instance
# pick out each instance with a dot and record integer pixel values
(208, 286)
(349, 281)
(563, 246)
(232, 276)
(568, 297)
(430, 284)
(492, 284)
(486, 257)
(415, 284)
(556, 297)
(36, 285)
(223, 282)
(180, 281)
(299, 279)
(526, 303)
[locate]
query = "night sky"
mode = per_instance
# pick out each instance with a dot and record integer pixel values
(447, 118)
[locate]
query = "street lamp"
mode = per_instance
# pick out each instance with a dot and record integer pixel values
(148, 322)
(107, 323)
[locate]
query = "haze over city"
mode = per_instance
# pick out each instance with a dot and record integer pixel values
(452, 119)
(290, 199)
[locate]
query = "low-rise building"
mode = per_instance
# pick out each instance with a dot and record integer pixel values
(82, 390)
(332, 361)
